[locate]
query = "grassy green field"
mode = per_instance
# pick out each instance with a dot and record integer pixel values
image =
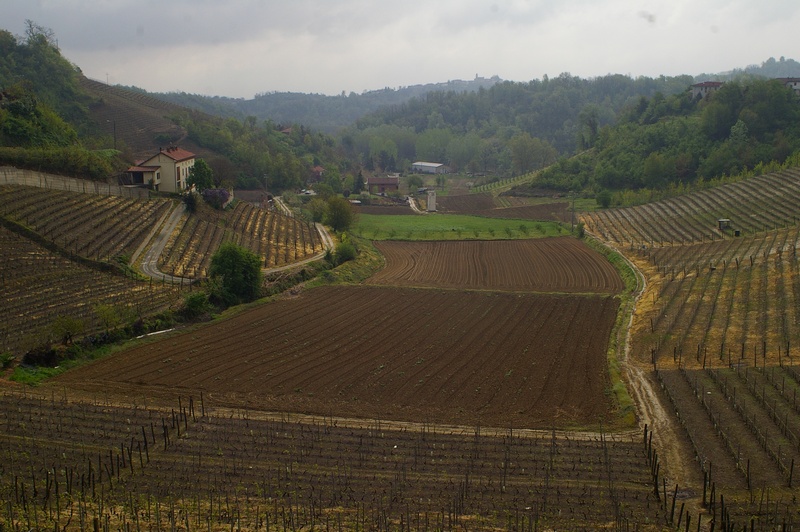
(451, 227)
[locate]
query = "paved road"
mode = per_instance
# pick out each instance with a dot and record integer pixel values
(150, 260)
(155, 243)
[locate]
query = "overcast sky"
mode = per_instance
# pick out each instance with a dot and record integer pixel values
(240, 48)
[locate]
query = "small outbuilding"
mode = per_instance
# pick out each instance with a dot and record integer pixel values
(382, 185)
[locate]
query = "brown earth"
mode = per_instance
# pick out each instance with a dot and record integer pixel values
(490, 359)
(561, 264)
(384, 209)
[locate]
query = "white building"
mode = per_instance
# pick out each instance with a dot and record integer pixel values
(422, 167)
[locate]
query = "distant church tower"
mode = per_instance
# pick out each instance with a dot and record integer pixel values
(431, 201)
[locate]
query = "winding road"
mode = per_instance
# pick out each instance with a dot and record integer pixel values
(153, 246)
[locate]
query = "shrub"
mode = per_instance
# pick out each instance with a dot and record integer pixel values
(42, 355)
(345, 251)
(195, 305)
(6, 360)
(216, 197)
(190, 200)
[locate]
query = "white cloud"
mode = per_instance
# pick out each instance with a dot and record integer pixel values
(243, 47)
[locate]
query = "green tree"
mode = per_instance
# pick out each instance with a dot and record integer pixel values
(318, 208)
(201, 176)
(414, 182)
(340, 214)
(66, 328)
(238, 272)
(603, 199)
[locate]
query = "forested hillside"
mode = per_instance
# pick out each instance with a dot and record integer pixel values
(53, 119)
(325, 113)
(510, 128)
(676, 141)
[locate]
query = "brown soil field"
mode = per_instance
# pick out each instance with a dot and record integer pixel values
(557, 212)
(384, 209)
(487, 205)
(489, 359)
(465, 204)
(561, 264)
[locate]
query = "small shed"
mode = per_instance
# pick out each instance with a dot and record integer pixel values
(431, 201)
(724, 223)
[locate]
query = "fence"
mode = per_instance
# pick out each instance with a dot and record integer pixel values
(16, 176)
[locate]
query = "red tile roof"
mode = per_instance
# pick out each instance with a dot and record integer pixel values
(177, 154)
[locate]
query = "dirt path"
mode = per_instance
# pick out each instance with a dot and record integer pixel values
(673, 451)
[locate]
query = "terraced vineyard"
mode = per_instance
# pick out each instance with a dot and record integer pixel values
(38, 286)
(753, 206)
(719, 327)
(96, 227)
(277, 238)
(724, 300)
(136, 120)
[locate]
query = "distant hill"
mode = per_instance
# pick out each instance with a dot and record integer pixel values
(771, 68)
(317, 111)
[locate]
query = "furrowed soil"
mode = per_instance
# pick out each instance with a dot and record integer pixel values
(561, 264)
(473, 358)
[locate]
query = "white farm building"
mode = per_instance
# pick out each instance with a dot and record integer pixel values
(421, 167)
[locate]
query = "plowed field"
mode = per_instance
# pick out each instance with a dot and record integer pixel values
(560, 264)
(494, 359)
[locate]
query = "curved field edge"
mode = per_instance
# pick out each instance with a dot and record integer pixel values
(618, 340)
(412, 355)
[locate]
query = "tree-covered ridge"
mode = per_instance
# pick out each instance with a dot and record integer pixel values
(318, 111)
(267, 154)
(675, 141)
(478, 131)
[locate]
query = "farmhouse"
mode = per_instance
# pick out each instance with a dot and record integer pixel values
(791, 83)
(705, 88)
(380, 185)
(167, 170)
(429, 168)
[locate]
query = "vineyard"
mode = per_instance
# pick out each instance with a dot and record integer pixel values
(560, 264)
(752, 206)
(718, 326)
(277, 238)
(138, 120)
(100, 466)
(39, 286)
(99, 228)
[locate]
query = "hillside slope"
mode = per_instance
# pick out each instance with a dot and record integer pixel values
(137, 122)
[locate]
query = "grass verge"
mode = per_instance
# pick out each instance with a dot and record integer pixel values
(452, 227)
(616, 345)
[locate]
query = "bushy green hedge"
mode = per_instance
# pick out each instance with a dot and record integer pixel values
(71, 161)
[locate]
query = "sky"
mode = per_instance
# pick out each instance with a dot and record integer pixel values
(240, 48)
